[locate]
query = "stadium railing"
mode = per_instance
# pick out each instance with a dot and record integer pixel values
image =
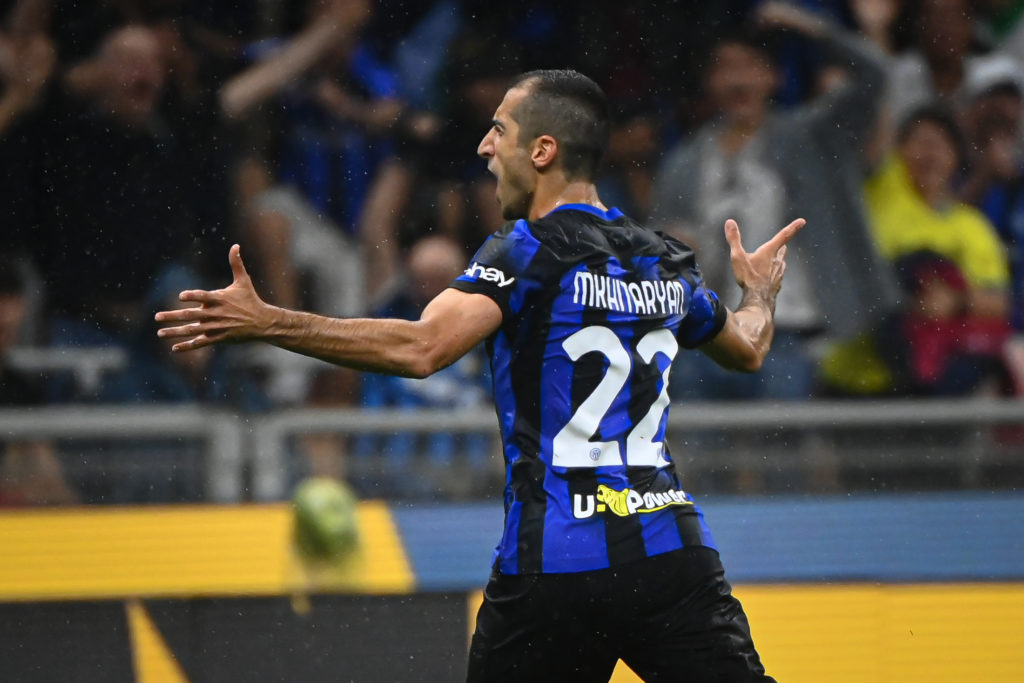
(961, 435)
(774, 428)
(223, 433)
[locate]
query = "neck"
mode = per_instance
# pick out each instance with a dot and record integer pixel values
(549, 197)
(738, 131)
(936, 198)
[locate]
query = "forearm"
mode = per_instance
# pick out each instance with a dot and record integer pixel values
(743, 343)
(268, 77)
(853, 106)
(452, 324)
(390, 346)
(755, 319)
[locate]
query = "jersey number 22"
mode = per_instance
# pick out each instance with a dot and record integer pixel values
(573, 445)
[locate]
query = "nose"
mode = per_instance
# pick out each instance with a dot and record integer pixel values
(486, 147)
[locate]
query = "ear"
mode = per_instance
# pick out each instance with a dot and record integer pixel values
(543, 152)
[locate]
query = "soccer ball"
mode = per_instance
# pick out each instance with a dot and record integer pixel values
(325, 519)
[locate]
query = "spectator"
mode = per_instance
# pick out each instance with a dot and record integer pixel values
(342, 112)
(940, 63)
(938, 346)
(438, 189)
(762, 166)
(30, 473)
(432, 264)
(950, 334)
(26, 65)
(627, 180)
(105, 208)
(165, 470)
(154, 375)
(296, 207)
(298, 218)
(995, 183)
(879, 21)
(913, 206)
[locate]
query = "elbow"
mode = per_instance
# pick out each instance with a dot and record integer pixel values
(424, 361)
(748, 363)
(418, 369)
(751, 359)
(752, 365)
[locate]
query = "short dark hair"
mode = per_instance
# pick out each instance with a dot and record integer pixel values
(569, 107)
(761, 42)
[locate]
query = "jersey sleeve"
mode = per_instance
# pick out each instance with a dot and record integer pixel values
(499, 269)
(704, 319)
(705, 315)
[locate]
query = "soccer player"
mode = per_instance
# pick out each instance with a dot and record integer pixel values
(604, 554)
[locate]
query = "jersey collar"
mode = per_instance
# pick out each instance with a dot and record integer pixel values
(609, 215)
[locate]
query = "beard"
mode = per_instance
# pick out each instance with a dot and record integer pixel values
(514, 212)
(514, 201)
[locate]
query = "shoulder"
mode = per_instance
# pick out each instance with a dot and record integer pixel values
(972, 223)
(677, 258)
(575, 235)
(515, 240)
(889, 177)
(673, 245)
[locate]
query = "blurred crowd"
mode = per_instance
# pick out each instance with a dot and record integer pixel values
(335, 141)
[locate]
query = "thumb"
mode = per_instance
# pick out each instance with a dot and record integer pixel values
(237, 267)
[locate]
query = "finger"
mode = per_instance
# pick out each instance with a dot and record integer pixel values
(192, 344)
(190, 330)
(200, 295)
(180, 314)
(786, 234)
(237, 267)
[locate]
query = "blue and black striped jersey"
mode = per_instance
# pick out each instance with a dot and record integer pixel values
(595, 308)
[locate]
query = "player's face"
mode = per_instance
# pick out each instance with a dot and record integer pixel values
(509, 160)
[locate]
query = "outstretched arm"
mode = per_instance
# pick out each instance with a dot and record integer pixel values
(451, 325)
(744, 341)
(335, 25)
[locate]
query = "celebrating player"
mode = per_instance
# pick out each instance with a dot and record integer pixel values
(604, 555)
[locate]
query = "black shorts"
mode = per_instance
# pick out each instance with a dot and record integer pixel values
(671, 617)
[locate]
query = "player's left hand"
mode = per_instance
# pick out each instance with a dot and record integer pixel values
(763, 268)
(230, 315)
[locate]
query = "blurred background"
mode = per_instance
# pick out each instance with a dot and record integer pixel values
(864, 487)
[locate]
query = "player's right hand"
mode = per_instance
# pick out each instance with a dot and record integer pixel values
(230, 315)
